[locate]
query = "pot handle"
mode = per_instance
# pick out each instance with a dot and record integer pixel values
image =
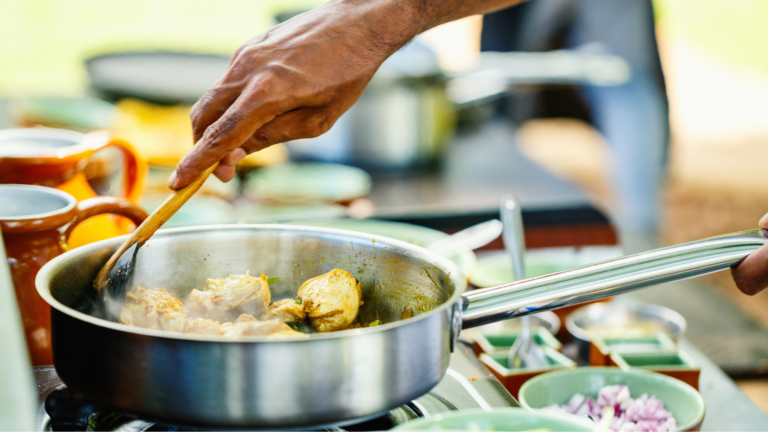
(135, 166)
(100, 205)
(607, 278)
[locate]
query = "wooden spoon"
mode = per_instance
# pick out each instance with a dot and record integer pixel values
(110, 283)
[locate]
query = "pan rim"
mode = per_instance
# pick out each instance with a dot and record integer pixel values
(442, 263)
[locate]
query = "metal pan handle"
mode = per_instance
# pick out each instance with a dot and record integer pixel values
(607, 278)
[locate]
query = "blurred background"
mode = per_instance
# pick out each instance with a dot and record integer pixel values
(654, 111)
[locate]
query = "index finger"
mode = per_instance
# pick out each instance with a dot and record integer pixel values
(246, 115)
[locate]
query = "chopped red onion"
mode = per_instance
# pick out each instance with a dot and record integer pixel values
(644, 414)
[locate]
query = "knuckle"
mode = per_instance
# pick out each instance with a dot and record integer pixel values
(218, 131)
(263, 138)
(319, 124)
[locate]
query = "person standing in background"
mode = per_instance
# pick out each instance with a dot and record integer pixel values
(633, 117)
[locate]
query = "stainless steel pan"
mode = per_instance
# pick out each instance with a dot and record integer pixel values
(330, 378)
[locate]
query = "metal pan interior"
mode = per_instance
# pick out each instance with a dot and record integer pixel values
(393, 274)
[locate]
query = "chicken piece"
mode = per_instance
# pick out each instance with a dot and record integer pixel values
(331, 300)
(155, 309)
(245, 318)
(260, 328)
(203, 326)
(287, 310)
(226, 299)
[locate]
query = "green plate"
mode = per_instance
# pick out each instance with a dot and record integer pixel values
(199, 210)
(682, 400)
(414, 234)
(264, 213)
(308, 182)
(502, 419)
(496, 268)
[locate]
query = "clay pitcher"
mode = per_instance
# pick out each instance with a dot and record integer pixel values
(58, 158)
(36, 223)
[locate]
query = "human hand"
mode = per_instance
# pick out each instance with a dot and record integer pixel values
(751, 274)
(293, 81)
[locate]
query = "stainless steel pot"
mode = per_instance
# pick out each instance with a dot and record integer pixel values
(408, 112)
(330, 378)
(402, 120)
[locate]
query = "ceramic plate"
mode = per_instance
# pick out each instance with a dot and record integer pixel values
(308, 182)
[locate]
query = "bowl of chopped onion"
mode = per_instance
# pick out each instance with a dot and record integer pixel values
(632, 400)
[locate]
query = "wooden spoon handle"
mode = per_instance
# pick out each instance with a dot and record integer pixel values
(158, 217)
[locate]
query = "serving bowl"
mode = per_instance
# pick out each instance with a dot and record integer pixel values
(504, 419)
(557, 388)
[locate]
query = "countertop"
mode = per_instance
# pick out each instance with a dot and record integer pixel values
(728, 408)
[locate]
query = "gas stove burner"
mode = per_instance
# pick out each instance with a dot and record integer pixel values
(466, 385)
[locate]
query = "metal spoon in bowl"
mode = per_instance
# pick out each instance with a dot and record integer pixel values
(471, 238)
(524, 352)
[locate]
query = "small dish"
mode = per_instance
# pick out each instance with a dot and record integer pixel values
(500, 343)
(557, 388)
(601, 348)
(501, 419)
(677, 364)
(547, 320)
(514, 378)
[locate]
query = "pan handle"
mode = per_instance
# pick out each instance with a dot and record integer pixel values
(607, 278)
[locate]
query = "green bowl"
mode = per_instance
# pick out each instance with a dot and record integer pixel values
(502, 419)
(682, 400)
(308, 182)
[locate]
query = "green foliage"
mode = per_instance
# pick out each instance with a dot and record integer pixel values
(43, 42)
(734, 32)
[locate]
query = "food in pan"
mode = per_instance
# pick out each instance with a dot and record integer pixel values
(226, 299)
(239, 305)
(331, 300)
(642, 414)
(153, 309)
(287, 310)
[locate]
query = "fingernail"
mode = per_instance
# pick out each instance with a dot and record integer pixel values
(172, 180)
(235, 156)
(763, 222)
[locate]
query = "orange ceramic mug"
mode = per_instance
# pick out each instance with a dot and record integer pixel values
(36, 222)
(57, 158)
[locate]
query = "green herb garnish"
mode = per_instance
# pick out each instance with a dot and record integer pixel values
(298, 301)
(272, 280)
(300, 326)
(374, 323)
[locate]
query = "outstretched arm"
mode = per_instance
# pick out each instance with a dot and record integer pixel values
(297, 79)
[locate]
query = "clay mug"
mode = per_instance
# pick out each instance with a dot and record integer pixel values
(58, 158)
(36, 222)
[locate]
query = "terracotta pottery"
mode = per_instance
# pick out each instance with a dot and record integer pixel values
(36, 223)
(59, 158)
